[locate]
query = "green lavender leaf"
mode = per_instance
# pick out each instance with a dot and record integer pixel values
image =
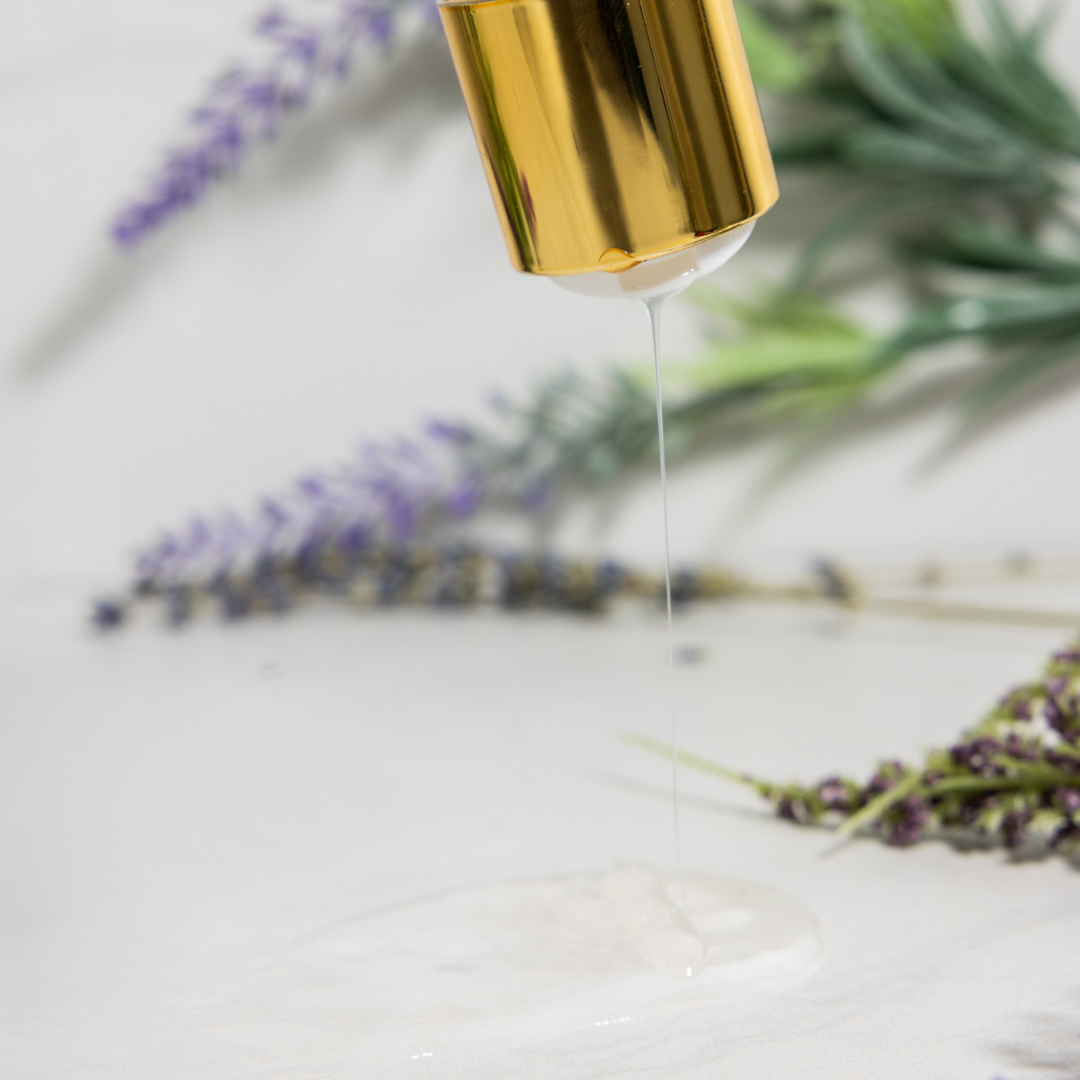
(938, 133)
(775, 63)
(927, 23)
(873, 811)
(1012, 77)
(788, 341)
(1037, 311)
(967, 241)
(858, 217)
(1020, 371)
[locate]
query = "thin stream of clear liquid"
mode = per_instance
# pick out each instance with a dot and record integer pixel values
(653, 306)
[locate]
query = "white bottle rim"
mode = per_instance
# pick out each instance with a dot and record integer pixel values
(663, 276)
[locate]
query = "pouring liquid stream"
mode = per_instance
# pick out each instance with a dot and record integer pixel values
(675, 929)
(512, 949)
(654, 305)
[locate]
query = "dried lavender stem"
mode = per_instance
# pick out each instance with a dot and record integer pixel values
(1013, 779)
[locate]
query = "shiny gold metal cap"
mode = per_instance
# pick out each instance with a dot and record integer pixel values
(611, 131)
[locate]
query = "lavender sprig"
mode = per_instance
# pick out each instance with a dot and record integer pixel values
(388, 494)
(248, 102)
(373, 574)
(378, 529)
(1013, 780)
(396, 495)
(396, 507)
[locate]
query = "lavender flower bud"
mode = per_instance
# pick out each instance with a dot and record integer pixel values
(834, 795)
(1021, 709)
(1067, 763)
(885, 778)
(978, 756)
(1022, 750)
(108, 614)
(792, 809)
(247, 104)
(1067, 800)
(177, 605)
(906, 821)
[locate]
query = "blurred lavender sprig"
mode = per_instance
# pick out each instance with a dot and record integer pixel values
(387, 495)
(398, 495)
(1013, 780)
(374, 574)
(380, 530)
(310, 45)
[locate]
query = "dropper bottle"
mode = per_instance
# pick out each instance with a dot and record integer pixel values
(626, 155)
(622, 139)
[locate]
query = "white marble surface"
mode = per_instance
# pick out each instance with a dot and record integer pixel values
(177, 810)
(173, 807)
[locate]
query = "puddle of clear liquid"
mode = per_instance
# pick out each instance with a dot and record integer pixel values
(526, 960)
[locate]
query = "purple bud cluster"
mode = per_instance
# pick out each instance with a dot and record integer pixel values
(979, 756)
(453, 575)
(1013, 780)
(247, 103)
(378, 530)
(384, 497)
(906, 822)
(395, 502)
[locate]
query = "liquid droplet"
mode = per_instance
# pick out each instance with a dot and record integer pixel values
(615, 261)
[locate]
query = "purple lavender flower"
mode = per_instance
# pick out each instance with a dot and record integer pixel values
(834, 794)
(884, 779)
(792, 809)
(1062, 714)
(399, 494)
(1022, 749)
(979, 756)
(1067, 763)
(1005, 782)
(1067, 800)
(369, 529)
(466, 498)
(249, 101)
(1019, 707)
(907, 821)
(384, 494)
(108, 613)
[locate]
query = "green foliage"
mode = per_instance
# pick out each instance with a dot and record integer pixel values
(775, 63)
(802, 340)
(956, 148)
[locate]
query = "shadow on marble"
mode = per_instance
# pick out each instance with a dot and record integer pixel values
(1049, 1047)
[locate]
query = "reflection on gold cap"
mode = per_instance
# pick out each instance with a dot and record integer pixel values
(611, 130)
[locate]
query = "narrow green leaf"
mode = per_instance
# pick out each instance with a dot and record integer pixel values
(874, 809)
(1019, 372)
(859, 216)
(654, 746)
(774, 63)
(966, 241)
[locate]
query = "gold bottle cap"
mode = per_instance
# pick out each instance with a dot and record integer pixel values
(611, 131)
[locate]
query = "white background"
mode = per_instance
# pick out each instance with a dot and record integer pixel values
(168, 803)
